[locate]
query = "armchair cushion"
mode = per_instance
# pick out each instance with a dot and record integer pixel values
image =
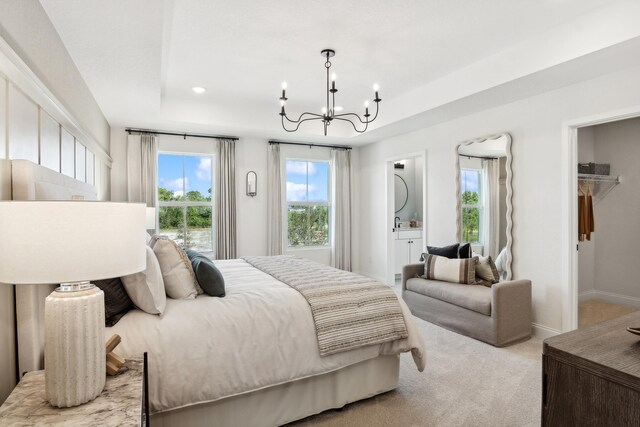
(471, 297)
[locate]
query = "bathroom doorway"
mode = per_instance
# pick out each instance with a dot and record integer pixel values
(406, 213)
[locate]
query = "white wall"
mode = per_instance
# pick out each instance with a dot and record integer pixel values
(586, 248)
(617, 228)
(25, 26)
(536, 125)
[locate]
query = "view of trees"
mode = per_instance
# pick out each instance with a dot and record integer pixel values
(308, 225)
(198, 227)
(470, 217)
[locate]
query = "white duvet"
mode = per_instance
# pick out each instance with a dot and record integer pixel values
(259, 335)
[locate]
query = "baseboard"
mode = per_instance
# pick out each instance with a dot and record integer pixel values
(543, 332)
(610, 297)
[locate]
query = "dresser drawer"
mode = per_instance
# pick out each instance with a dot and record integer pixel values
(409, 234)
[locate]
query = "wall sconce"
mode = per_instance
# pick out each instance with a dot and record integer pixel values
(252, 184)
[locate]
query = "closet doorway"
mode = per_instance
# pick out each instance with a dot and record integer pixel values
(608, 230)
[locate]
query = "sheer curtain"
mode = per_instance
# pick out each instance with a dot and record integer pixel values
(492, 207)
(142, 168)
(226, 241)
(341, 212)
(274, 200)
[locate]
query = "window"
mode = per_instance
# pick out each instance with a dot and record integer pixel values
(307, 203)
(471, 194)
(184, 199)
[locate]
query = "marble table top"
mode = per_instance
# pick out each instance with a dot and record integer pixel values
(120, 403)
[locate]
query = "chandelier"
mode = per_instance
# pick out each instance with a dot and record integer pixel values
(359, 124)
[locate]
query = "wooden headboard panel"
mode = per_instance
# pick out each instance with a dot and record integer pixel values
(30, 181)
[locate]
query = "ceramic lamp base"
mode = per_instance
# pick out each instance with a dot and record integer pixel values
(74, 354)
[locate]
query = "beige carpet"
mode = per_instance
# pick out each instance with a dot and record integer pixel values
(465, 383)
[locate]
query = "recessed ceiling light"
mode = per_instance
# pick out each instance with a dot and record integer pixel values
(338, 108)
(198, 89)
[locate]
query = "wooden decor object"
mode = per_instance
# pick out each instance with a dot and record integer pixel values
(114, 362)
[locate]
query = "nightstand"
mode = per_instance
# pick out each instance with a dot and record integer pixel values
(591, 376)
(123, 402)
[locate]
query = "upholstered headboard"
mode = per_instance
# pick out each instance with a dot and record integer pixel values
(5, 179)
(34, 182)
(30, 181)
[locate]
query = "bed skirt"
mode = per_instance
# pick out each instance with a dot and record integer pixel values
(291, 401)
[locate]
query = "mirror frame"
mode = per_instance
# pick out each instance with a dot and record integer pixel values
(508, 247)
(406, 198)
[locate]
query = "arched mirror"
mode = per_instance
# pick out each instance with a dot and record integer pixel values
(401, 193)
(483, 190)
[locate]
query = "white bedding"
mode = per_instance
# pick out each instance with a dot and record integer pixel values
(259, 335)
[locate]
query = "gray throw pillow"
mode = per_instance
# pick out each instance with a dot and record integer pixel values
(208, 275)
(450, 252)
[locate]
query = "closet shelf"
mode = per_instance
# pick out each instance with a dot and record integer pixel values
(610, 181)
(599, 178)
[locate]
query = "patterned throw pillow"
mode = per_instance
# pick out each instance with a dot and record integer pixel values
(486, 272)
(456, 270)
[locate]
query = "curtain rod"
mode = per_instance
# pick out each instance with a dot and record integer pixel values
(183, 134)
(343, 147)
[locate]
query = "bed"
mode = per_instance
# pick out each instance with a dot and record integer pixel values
(248, 359)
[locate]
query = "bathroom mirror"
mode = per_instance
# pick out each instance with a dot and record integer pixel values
(401, 193)
(483, 195)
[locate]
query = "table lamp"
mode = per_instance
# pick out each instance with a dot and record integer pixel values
(71, 243)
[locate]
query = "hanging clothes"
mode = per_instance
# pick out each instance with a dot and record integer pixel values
(586, 222)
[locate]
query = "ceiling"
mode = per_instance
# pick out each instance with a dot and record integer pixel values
(141, 58)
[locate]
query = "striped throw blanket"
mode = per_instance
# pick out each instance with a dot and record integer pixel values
(349, 310)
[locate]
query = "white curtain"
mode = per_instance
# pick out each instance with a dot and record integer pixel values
(226, 241)
(142, 168)
(274, 200)
(341, 212)
(491, 218)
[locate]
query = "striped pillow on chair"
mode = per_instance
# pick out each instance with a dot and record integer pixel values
(455, 270)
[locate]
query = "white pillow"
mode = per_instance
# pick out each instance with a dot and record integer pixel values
(179, 279)
(146, 289)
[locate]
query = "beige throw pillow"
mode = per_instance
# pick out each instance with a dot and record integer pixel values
(146, 289)
(179, 279)
(455, 270)
(486, 271)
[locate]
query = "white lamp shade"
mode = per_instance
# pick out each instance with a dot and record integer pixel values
(70, 241)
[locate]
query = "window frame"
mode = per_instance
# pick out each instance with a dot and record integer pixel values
(479, 205)
(308, 204)
(187, 203)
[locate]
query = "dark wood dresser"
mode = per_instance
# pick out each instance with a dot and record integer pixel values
(591, 376)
